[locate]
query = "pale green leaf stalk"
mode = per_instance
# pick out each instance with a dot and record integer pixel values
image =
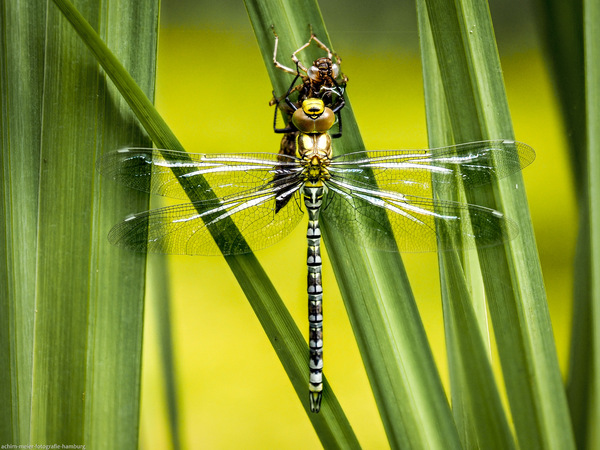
(331, 424)
(475, 104)
(159, 303)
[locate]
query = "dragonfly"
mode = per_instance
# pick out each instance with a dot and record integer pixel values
(249, 201)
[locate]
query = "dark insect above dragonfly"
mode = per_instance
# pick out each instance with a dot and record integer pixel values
(248, 201)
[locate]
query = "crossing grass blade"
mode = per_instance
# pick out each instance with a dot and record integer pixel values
(376, 292)
(331, 424)
(463, 48)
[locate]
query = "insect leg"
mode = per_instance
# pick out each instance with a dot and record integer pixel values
(275, 62)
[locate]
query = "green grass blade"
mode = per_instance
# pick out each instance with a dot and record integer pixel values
(331, 424)
(88, 309)
(116, 324)
(22, 31)
(476, 405)
(374, 286)
(477, 108)
(562, 31)
(562, 24)
(591, 16)
(158, 296)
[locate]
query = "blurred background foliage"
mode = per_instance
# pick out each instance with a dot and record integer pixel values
(213, 90)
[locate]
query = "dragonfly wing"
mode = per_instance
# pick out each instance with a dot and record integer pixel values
(367, 215)
(410, 171)
(177, 174)
(211, 227)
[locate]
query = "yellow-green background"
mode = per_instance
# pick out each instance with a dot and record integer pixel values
(213, 90)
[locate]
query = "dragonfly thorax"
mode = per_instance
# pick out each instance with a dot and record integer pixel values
(316, 170)
(313, 144)
(315, 152)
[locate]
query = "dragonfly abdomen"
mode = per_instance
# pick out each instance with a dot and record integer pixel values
(313, 199)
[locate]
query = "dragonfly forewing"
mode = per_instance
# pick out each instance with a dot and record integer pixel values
(410, 171)
(183, 175)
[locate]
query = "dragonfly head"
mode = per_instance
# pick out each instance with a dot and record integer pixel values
(313, 117)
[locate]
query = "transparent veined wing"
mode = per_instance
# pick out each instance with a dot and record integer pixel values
(410, 171)
(173, 174)
(210, 227)
(363, 214)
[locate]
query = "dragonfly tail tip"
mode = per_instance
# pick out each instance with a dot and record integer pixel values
(315, 401)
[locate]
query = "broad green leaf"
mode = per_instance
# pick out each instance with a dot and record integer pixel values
(376, 292)
(476, 106)
(115, 323)
(331, 424)
(21, 88)
(76, 316)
